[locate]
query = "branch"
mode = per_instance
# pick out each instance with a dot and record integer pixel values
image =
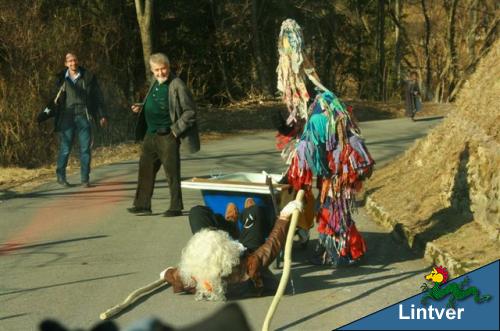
(396, 21)
(138, 8)
(148, 8)
(488, 42)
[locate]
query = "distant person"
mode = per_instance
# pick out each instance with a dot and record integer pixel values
(412, 96)
(78, 100)
(167, 120)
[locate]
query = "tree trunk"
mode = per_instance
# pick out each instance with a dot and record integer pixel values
(263, 77)
(381, 50)
(428, 72)
(397, 51)
(218, 51)
(359, 42)
(144, 11)
(452, 49)
(471, 36)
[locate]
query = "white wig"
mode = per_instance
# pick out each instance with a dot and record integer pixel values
(209, 256)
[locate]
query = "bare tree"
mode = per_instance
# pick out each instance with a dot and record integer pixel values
(144, 11)
(428, 72)
(261, 71)
(491, 36)
(452, 48)
(218, 49)
(397, 45)
(381, 50)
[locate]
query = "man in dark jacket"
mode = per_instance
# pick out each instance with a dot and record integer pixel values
(78, 99)
(412, 96)
(167, 121)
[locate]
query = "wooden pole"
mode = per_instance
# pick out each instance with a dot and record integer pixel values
(132, 297)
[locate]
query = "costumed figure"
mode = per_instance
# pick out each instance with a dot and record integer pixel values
(325, 142)
(293, 68)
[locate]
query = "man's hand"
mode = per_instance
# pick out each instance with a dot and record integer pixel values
(136, 107)
(253, 266)
(103, 122)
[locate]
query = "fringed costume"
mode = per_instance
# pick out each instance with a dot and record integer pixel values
(325, 143)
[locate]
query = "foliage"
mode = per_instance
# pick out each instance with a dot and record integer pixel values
(212, 47)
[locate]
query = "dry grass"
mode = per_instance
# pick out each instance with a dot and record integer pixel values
(445, 188)
(18, 180)
(215, 123)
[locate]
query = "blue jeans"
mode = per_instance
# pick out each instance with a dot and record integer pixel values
(80, 126)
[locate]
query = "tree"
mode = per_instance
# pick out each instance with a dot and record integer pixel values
(397, 46)
(262, 75)
(452, 48)
(428, 72)
(381, 90)
(144, 11)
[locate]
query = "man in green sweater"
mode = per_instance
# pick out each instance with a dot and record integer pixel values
(167, 121)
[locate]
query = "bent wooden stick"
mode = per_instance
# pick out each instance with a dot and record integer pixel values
(132, 297)
(286, 266)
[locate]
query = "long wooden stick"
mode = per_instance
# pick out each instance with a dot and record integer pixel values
(286, 267)
(132, 297)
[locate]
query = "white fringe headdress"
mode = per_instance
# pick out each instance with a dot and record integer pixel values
(209, 256)
(290, 72)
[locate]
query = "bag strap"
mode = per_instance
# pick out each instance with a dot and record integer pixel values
(61, 90)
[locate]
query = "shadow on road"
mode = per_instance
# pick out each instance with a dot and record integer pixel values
(394, 279)
(9, 247)
(12, 316)
(64, 284)
(426, 119)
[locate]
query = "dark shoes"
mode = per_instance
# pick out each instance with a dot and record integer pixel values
(139, 211)
(146, 212)
(172, 213)
(63, 182)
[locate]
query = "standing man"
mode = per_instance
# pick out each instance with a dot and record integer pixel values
(78, 99)
(167, 120)
(412, 96)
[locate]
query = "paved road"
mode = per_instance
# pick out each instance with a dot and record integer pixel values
(72, 253)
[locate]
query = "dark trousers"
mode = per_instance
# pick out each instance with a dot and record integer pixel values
(252, 234)
(157, 151)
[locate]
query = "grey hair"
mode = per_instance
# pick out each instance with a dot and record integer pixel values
(70, 54)
(159, 58)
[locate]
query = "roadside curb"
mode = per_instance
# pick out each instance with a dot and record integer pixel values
(430, 250)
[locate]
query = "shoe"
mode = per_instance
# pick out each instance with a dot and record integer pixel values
(249, 202)
(63, 182)
(139, 211)
(85, 184)
(231, 212)
(172, 213)
(319, 256)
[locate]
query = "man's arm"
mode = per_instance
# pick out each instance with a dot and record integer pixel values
(188, 109)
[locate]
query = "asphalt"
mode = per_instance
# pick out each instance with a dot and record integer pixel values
(72, 253)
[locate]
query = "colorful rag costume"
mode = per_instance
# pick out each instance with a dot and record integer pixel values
(328, 145)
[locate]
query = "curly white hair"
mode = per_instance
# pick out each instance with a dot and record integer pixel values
(208, 257)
